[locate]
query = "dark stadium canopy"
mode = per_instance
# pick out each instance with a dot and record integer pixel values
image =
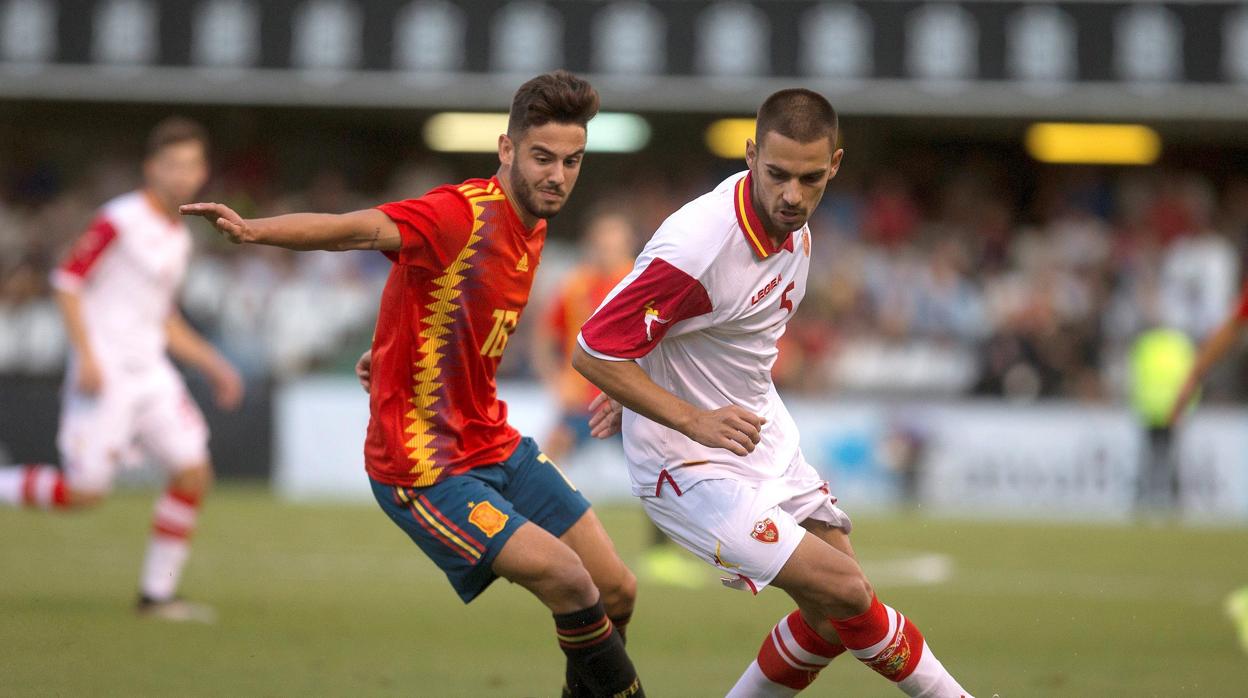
(1177, 60)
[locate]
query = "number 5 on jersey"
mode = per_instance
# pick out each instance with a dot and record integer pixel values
(784, 297)
(504, 323)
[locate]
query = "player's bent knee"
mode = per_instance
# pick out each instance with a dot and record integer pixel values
(842, 595)
(567, 587)
(557, 578)
(852, 594)
(620, 595)
(195, 480)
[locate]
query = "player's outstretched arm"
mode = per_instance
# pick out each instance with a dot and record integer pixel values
(90, 378)
(188, 346)
(732, 428)
(1211, 352)
(368, 229)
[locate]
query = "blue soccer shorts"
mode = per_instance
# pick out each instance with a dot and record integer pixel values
(462, 522)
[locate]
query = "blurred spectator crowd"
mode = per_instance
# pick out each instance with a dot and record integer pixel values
(926, 280)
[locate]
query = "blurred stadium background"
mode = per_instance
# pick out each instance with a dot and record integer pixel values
(961, 366)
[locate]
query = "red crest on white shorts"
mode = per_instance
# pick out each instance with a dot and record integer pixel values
(765, 531)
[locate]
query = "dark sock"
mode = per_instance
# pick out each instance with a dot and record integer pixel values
(621, 625)
(573, 687)
(597, 660)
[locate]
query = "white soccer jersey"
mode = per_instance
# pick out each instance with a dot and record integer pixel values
(701, 313)
(127, 268)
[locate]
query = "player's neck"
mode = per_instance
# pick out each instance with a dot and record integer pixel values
(158, 205)
(777, 237)
(528, 220)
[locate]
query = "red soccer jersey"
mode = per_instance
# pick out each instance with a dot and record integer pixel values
(457, 288)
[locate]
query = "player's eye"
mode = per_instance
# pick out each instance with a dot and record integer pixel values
(572, 162)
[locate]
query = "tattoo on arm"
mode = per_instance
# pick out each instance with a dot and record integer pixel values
(372, 244)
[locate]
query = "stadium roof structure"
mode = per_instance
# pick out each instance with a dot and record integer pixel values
(1084, 59)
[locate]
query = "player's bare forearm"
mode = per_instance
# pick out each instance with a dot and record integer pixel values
(188, 346)
(1217, 347)
(71, 313)
(731, 427)
(368, 229)
(1211, 352)
(90, 379)
(359, 230)
(626, 383)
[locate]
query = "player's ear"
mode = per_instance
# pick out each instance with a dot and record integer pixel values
(506, 150)
(836, 162)
(751, 152)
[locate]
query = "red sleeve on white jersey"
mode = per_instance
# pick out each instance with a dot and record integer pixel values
(634, 320)
(84, 255)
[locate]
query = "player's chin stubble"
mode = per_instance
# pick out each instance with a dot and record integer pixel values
(528, 199)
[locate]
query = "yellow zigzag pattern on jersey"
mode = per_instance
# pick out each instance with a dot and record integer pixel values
(426, 379)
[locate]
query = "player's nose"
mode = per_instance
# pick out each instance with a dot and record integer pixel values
(557, 176)
(791, 194)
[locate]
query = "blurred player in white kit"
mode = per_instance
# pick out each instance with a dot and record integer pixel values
(117, 291)
(686, 344)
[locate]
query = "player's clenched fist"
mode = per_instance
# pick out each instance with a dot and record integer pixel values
(732, 428)
(223, 218)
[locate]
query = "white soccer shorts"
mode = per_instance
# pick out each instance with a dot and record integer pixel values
(151, 409)
(748, 529)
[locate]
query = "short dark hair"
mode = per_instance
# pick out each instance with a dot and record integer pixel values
(173, 130)
(797, 113)
(559, 96)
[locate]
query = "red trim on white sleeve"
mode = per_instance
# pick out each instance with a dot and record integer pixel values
(633, 321)
(84, 255)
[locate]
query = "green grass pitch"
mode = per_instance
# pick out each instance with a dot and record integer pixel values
(334, 600)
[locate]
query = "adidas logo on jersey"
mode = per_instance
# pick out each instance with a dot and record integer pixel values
(523, 264)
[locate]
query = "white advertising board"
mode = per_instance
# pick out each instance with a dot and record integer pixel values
(319, 438)
(1051, 460)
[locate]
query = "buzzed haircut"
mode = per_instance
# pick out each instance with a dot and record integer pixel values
(797, 113)
(560, 97)
(173, 130)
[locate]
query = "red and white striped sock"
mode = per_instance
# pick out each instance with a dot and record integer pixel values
(35, 485)
(887, 642)
(789, 660)
(170, 544)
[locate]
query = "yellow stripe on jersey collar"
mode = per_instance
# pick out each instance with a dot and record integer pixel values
(753, 229)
